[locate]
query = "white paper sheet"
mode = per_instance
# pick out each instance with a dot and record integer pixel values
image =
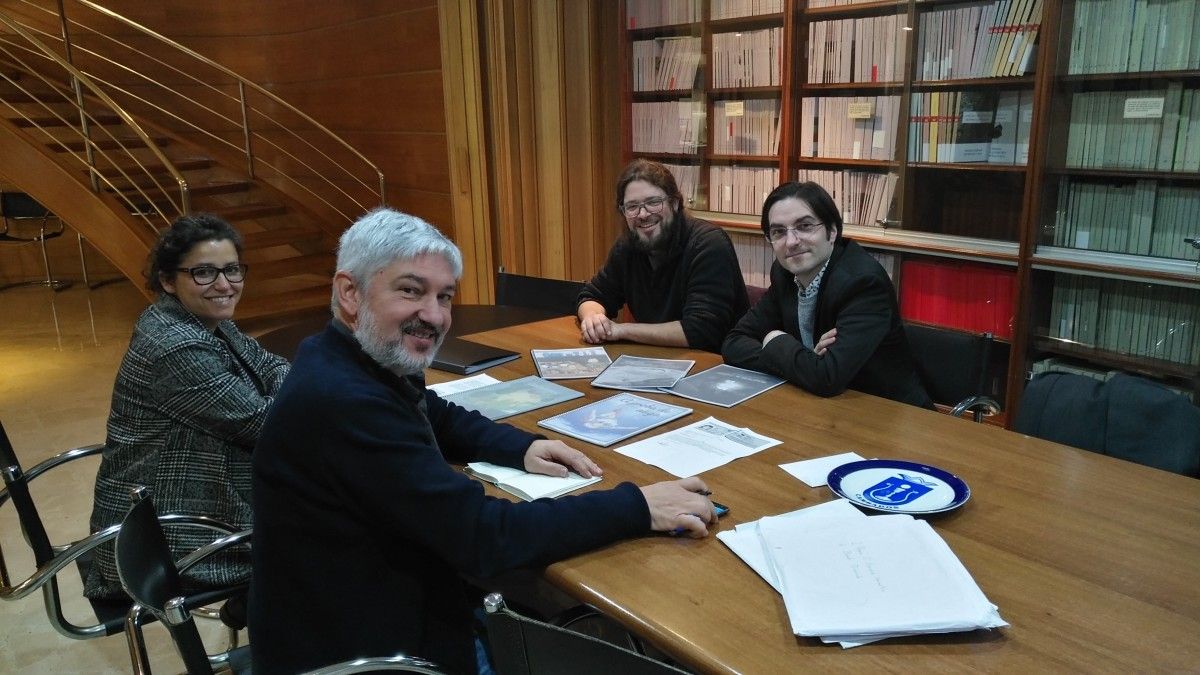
(814, 472)
(461, 384)
(696, 448)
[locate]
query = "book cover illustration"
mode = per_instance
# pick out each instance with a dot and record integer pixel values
(614, 419)
(569, 364)
(724, 385)
(642, 374)
(505, 399)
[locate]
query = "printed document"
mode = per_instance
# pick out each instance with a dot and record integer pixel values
(698, 447)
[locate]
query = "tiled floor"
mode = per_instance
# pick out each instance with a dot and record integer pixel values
(59, 353)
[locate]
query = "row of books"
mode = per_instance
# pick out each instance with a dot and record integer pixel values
(1057, 364)
(956, 294)
(668, 126)
(1142, 218)
(1151, 130)
(1127, 317)
(687, 179)
(650, 13)
(731, 9)
(970, 126)
(992, 39)
(748, 58)
(740, 189)
(861, 127)
(748, 127)
(837, 3)
(868, 49)
(755, 257)
(1134, 36)
(865, 198)
(665, 64)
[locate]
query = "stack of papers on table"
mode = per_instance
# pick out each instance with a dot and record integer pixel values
(853, 579)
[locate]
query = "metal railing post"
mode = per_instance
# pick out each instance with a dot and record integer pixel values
(246, 128)
(85, 127)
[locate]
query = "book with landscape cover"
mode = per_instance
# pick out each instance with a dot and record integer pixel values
(637, 373)
(504, 399)
(568, 364)
(528, 486)
(614, 419)
(724, 385)
(465, 357)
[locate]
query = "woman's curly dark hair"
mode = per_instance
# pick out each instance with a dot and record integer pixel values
(176, 241)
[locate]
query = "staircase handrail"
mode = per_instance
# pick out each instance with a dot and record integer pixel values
(243, 82)
(81, 80)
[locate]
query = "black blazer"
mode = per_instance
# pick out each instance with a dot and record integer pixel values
(871, 353)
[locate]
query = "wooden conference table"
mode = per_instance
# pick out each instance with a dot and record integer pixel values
(1094, 562)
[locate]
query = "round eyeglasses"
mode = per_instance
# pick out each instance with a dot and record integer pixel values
(652, 206)
(204, 275)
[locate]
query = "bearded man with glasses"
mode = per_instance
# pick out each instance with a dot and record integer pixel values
(188, 404)
(679, 276)
(829, 322)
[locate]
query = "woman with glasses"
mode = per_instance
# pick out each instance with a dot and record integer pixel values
(189, 402)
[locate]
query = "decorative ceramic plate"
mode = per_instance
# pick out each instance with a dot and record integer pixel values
(895, 486)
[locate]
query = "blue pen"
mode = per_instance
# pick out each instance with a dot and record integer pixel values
(720, 508)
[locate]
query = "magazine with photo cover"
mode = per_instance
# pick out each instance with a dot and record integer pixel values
(505, 399)
(724, 385)
(638, 373)
(569, 364)
(614, 419)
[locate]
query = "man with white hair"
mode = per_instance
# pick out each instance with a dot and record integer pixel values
(362, 528)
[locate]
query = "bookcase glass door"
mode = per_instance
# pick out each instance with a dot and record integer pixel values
(1119, 211)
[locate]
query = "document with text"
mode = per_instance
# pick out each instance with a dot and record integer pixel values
(698, 447)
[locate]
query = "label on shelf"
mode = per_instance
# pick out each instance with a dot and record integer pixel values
(735, 108)
(1144, 108)
(861, 110)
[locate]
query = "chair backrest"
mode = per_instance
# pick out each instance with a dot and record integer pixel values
(554, 295)
(952, 365)
(148, 574)
(524, 646)
(755, 293)
(17, 489)
(1126, 417)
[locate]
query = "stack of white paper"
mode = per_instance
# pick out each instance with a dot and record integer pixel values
(853, 579)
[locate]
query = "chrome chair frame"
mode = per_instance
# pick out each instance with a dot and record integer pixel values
(40, 239)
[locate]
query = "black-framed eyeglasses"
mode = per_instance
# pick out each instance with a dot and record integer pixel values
(804, 229)
(652, 206)
(204, 275)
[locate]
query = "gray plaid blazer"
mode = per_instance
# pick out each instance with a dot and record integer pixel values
(187, 408)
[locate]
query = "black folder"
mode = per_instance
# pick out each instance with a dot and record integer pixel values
(465, 357)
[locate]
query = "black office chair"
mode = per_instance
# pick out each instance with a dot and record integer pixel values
(151, 576)
(954, 367)
(18, 206)
(552, 295)
(524, 646)
(1126, 417)
(51, 559)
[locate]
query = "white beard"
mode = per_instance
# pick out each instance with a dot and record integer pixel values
(391, 354)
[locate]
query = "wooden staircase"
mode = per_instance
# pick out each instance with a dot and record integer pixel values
(289, 253)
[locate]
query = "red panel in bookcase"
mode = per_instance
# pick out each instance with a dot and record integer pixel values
(955, 294)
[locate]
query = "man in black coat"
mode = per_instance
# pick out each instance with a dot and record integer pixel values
(361, 528)
(829, 321)
(678, 275)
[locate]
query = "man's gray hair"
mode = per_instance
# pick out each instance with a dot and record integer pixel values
(384, 236)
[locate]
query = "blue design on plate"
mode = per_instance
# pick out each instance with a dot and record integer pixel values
(907, 487)
(897, 490)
